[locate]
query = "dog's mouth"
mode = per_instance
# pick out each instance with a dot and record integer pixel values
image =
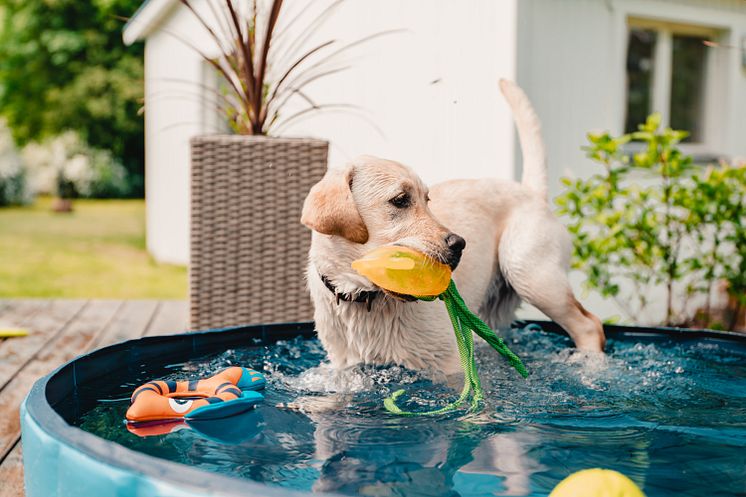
(449, 257)
(452, 260)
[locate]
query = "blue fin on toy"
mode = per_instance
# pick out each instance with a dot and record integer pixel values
(219, 410)
(251, 380)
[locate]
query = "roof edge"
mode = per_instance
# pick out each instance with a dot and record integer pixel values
(145, 18)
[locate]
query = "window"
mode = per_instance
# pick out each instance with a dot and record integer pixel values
(666, 73)
(640, 56)
(687, 84)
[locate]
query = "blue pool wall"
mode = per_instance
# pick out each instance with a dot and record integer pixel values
(61, 460)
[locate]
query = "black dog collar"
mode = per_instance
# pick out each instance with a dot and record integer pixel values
(364, 296)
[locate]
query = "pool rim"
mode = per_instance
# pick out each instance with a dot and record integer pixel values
(112, 454)
(38, 407)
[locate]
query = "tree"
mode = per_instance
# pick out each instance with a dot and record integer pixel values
(63, 66)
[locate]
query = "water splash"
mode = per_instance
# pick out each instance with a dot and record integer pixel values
(672, 416)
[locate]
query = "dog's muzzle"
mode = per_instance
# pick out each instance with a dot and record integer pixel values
(455, 246)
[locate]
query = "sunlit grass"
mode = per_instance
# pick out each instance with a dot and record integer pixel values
(97, 251)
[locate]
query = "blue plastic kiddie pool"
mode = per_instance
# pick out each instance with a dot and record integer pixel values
(666, 407)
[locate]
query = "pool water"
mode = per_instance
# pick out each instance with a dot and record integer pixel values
(670, 416)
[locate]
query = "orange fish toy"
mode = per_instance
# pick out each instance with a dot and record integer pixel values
(232, 391)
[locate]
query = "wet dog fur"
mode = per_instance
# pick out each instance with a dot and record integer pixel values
(501, 238)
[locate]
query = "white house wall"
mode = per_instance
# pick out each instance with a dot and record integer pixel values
(430, 90)
(430, 94)
(571, 61)
(174, 112)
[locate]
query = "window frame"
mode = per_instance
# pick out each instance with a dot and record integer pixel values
(663, 71)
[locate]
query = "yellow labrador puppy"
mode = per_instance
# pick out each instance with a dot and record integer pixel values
(499, 236)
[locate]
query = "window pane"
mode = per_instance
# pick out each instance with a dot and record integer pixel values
(687, 84)
(640, 50)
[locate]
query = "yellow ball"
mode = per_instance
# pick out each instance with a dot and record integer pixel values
(597, 483)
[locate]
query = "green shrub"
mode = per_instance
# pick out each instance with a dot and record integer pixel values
(13, 189)
(657, 220)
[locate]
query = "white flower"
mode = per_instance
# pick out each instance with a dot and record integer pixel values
(90, 171)
(42, 175)
(10, 162)
(12, 181)
(78, 171)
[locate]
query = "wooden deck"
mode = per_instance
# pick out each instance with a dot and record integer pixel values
(60, 330)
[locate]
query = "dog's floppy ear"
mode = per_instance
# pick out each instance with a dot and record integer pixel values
(330, 209)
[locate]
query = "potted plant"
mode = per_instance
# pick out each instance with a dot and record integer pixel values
(248, 248)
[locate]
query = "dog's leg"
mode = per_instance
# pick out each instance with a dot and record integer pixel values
(552, 295)
(533, 258)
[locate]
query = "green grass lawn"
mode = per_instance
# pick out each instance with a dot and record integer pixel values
(98, 251)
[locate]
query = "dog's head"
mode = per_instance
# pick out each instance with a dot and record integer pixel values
(379, 202)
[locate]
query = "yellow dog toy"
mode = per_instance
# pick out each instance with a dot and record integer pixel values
(597, 482)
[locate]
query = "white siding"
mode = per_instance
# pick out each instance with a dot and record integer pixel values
(571, 61)
(432, 90)
(175, 110)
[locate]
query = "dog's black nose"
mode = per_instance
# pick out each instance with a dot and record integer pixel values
(455, 245)
(455, 242)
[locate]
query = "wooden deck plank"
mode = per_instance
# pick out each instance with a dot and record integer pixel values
(11, 473)
(73, 338)
(83, 331)
(43, 319)
(98, 324)
(14, 312)
(130, 322)
(171, 317)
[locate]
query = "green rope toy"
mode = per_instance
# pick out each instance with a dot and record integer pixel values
(464, 322)
(408, 272)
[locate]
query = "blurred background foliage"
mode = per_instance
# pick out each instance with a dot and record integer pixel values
(63, 69)
(70, 127)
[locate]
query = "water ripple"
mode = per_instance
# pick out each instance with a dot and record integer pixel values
(671, 416)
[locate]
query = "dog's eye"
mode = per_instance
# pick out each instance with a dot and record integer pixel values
(401, 201)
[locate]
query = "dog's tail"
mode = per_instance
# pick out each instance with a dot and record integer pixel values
(529, 133)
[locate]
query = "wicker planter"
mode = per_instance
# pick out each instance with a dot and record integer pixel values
(248, 249)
